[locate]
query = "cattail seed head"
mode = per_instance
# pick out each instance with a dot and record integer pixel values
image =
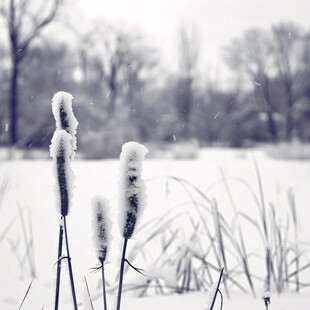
(60, 151)
(266, 298)
(63, 114)
(132, 187)
(101, 224)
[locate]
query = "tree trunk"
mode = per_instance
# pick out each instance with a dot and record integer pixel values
(266, 95)
(112, 103)
(289, 111)
(113, 90)
(272, 126)
(184, 101)
(13, 101)
(289, 125)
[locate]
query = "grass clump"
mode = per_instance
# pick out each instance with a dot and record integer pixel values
(186, 242)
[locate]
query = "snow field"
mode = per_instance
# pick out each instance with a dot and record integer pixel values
(31, 188)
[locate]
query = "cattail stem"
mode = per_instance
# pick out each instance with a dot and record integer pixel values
(121, 273)
(60, 242)
(70, 266)
(217, 289)
(103, 288)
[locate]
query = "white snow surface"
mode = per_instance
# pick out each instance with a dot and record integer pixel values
(101, 223)
(31, 188)
(63, 101)
(61, 142)
(167, 274)
(131, 159)
(197, 301)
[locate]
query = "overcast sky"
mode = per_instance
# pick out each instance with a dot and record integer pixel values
(218, 21)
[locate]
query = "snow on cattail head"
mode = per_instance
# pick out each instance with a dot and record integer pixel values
(60, 151)
(101, 224)
(132, 187)
(63, 113)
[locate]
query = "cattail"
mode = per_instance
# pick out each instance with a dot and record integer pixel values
(63, 114)
(102, 226)
(102, 235)
(132, 198)
(132, 187)
(60, 151)
(266, 298)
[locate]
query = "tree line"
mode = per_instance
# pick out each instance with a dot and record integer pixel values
(123, 91)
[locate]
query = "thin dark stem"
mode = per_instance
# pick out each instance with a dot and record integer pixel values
(70, 266)
(135, 268)
(103, 288)
(217, 289)
(121, 273)
(222, 299)
(91, 303)
(28, 289)
(60, 242)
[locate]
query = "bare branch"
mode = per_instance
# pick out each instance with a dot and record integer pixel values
(189, 47)
(22, 11)
(41, 25)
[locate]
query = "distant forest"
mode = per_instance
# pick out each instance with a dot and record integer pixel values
(122, 90)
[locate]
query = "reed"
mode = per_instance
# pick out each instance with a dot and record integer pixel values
(102, 236)
(62, 150)
(132, 199)
(206, 249)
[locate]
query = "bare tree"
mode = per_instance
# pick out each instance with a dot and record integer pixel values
(105, 61)
(114, 60)
(286, 37)
(252, 55)
(188, 52)
(25, 19)
(121, 59)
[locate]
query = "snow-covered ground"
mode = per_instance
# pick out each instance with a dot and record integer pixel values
(29, 198)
